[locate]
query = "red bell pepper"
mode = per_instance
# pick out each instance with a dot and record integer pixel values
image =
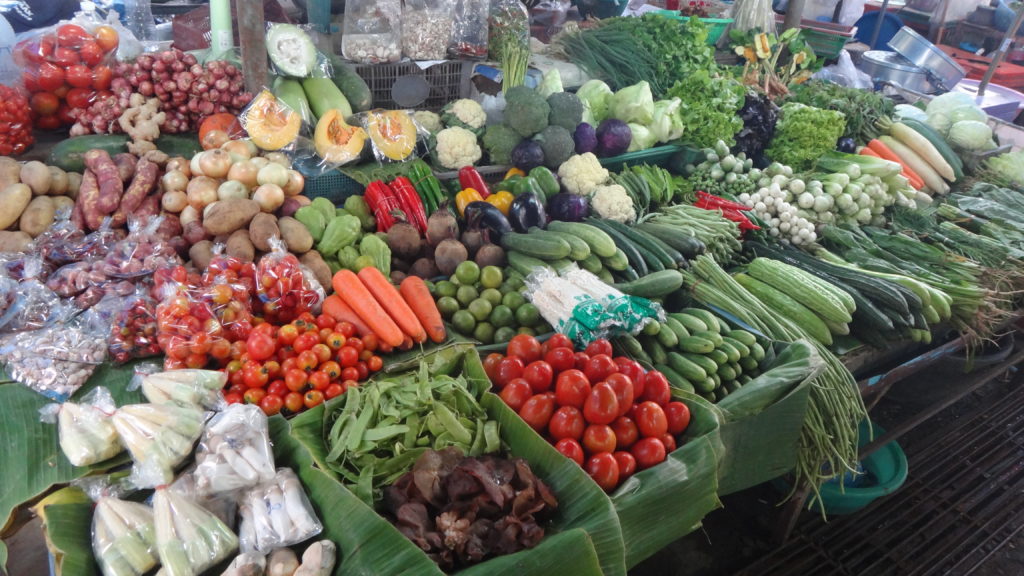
(382, 200)
(411, 203)
(470, 178)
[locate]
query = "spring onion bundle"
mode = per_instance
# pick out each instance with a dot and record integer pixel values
(189, 539)
(123, 537)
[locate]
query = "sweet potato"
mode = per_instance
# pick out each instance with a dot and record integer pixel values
(201, 253)
(88, 198)
(37, 176)
(38, 216)
(125, 163)
(58, 181)
(10, 171)
(262, 228)
(194, 232)
(74, 183)
(315, 262)
(295, 235)
(111, 187)
(77, 218)
(240, 246)
(226, 216)
(13, 201)
(150, 206)
(144, 182)
(60, 202)
(14, 241)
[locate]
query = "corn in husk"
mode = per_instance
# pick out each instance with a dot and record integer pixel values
(246, 564)
(159, 437)
(123, 537)
(276, 514)
(223, 506)
(194, 387)
(234, 452)
(87, 434)
(189, 539)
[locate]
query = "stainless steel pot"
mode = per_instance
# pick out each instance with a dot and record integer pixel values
(885, 66)
(944, 71)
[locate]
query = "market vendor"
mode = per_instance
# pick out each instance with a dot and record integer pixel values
(27, 15)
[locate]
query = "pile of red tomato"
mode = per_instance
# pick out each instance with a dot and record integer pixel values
(606, 413)
(15, 123)
(65, 69)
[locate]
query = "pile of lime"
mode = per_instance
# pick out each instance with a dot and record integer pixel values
(484, 305)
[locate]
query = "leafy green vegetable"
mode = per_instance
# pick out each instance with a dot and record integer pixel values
(594, 96)
(862, 107)
(1006, 169)
(805, 133)
(632, 104)
(709, 109)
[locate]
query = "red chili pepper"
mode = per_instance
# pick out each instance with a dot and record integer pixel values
(382, 200)
(411, 203)
(719, 202)
(470, 178)
(740, 218)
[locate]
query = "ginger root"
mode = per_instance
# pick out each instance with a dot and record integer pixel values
(141, 122)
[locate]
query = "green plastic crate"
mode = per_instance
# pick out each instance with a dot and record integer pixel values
(657, 156)
(716, 26)
(826, 44)
(333, 185)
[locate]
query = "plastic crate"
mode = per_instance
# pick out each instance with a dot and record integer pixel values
(449, 80)
(826, 38)
(716, 26)
(657, 156)
(333, 185)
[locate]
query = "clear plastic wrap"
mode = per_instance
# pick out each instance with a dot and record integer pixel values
(86, 432)
(508, 25)
(201, 388)
(57, 244)
(469, 32)
(276, 514)
(189, 539)
(393, 134)
(283, 290)
(37, 305)
(188, 331)
(272, 125)
(223, 507)
(246, 564)
(140, 253)
(234, 452)
(372, 31)
(426, 28)
(133, 331)
(231, 305)
(123, 537)
(159, 437)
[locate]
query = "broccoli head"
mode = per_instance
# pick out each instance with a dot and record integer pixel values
(499, 140)
(557, 144)
(566, 110)
(526, 111)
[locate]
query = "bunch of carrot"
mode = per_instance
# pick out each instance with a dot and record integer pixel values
(398, 316)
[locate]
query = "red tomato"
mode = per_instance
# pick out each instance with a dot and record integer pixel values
(560, 359)
(306, 341)
(293, 402)
(626, 432)
(623, 387)
(539, 374)
(678, 416)
(322, 351)
(648, 452)
(375, 363)
(33, 51)
(347, 356)
(491, 365)
(557, 341)
(635, 372)
(599, 438)
(107, 38)
(64, 57)
(313, 398)
(627, 464)
(669, 441)
(271, 404)
(656, 388)
(295, 379)
(287, 335)
(254, 395)
(30, 78)
(233, 398)
(516, 393)
(581, 360)
(604, 469)
(72, 35)
(600, 367)
(571, 449)
(91, 53)
(259, 346)
(334, 390)
(319, 380)
(44, 103)
(601, 406)
(335, 340)
(51, 77)
(566, 422)
(599, 346)
(572, 388)
(524, 346)
(350, 373)
(369, 342)
(272, 368)
(255, 377)
(510, 368)
(650, 419)
(346, 329)
(332, 369)
(278, 388)
(79, 76)
(325, 321)
(537, 411)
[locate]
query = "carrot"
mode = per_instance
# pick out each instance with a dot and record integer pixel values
(416, 294)
(865, 151)
(352, 290)
(879, 147)
(336, 308)
(389, 298)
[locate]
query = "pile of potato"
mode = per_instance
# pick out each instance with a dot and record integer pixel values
(30, 196)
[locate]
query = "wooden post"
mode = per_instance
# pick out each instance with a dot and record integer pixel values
(794, 12)
(252, 39)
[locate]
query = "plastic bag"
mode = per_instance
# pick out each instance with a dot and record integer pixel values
(393, 134)
(187, 330)
(845, 73)
(372, 31)
(189, 539)
(221, 506)
(234, 452)
(508, 25)
(133, 333)
(272, 125)
(276, 514)
(159, 437)
(469, 33)
(426, 28)
(57, 244)
(284, 291)
(86, 433)
(247, 564)
(140, 253)
(123, 537)
(37, 306)
(550, 14)
(201, 388)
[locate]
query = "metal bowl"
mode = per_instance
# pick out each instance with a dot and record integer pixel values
(885, 66)
(944, 72)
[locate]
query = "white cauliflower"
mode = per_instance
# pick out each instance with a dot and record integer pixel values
(582, 173)
(457, 148)
(430, 121)
(612, 202)
(464, 113)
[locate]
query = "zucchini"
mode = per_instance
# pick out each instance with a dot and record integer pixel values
(799, 314)
(69, 154)
(696, 345)
(690, 322)
(652, 246)
(667, 337)
(578, 248)
(710, 320)
(289, 91)
(675, 379)
(731, 351)
(719, 357)
(688, 245)
(524, 264)
(636, 257)
(591, 264)
(677, 327)
(543, 248)
(740, 347)
(600, 243)
(653, 285)
(714, 337)
(687, 368)
(811, 292)
(617, 261)
(743, 336)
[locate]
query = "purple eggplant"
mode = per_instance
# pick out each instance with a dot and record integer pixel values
(568, 207)
(527, 211)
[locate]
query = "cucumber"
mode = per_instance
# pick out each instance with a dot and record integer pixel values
(667, 337)
(690, 322)
(732, 385)
(675, 379)
(69, 154)
(726, 373)
(600, 242)
(677, 327)
(524, 264)
(687, 368)
(324, 95)
(709, 319)
(715, 337)
(591, 264)
(743, 379)
(631, 347)
(678, 238)
(351, 85)
(730, 351)
(617, 262)
(696, 345)
(716, 379)
(705, 362)
(635, 256)
(290, 92)
(654, 285)
(627, 275)
(654, 349)
(578, 249)
(652, 328)
(736, 368)
(757, 352)
(605, 275)
(652, 247)
(709, 396)
(705, 386)
(743, 336)
(748, 364)
(719, 357)
(543, 248)
(740, 347)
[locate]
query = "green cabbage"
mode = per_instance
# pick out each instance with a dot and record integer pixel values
(594, 95)
(971, 112)
(940, 121)
(643, 138)
(633, 104)
(970, 135)
(1006, 169)
(667, 124)
(550, 83)
(948, 101)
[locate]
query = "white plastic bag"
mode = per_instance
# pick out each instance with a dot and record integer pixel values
(276, 514)
(234, 452)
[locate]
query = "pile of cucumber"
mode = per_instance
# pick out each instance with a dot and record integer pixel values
(697, 352)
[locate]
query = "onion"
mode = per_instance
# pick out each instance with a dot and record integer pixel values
(202, 191)
(239, 152)
(296, 182)
(222, 84)
(178, 66)
(173, 181)
(174, 201)
(145, 62)
(188, 215)
(215, 163)
(279, 158)
(189, 59)
(159, 66)
(184, 80)
(146, 88)
(244, 172)
(232, 189)
(270, 197)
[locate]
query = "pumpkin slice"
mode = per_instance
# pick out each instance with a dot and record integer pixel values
(392, 132)
(271, 125)
(338, 142)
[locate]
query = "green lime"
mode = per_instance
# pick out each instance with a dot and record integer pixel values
(484, 332)
(513, 300)
(527, 315)
(466, 294)
(543, 327)
(504, 334)
(447, 306)
(526, 330)
(445, 288)
(491, 277)
(502, 316)
(468, 272)
(516, 283)
(430, 287)
(491, 295)
(463, 322)
(480, 309)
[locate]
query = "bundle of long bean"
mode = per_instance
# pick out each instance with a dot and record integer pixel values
(829, 438)
(720, 235)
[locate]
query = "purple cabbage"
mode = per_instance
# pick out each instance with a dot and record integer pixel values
(613, 138)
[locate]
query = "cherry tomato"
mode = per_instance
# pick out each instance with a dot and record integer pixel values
(526, 347)
(604, 469)
(669, 441)
(332, 369)
(539, 374)
(350, 373)
(348, 356)
(560, 359)
(278, 388)
(368, 342)
(601, 406)
(72, 35)
(599, 346)
(325, 333)
(557, 341)
(293, 402)
(313, 398)
(334, 390)
(287, 334)
(571, 449)
(79, 76)
(107, 38)
(220, 349)
(626, 432)
(322, 351)
(648, 452)
(259, 346)
(271, 404)
(491, 365)
(319, 380)
(375, 363)
(255, 377)
(64, 57)
(48, 122)
(306, 341)
(656, 389)
(307, 361)
(233, 398)
(566, 422)
(599, 438)
(237, 388)
(537, 411)
(30, 78)
(91, 53)
(365, 355)
(600, 367)
(51, 77)
(272, 368)
(288, 364)
(254, 395)
(44, 103)
(627, 464)
(581, 360)
(510, 368)
(325, 321)
(34, 51)
(295, 379)
(650, 419)
(623, 391)
(516, 393)
(346, 329)
(572, 388)
(678, 416)
(335, 340)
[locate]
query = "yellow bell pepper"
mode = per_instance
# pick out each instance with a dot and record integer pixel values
(501, 200)
(514, 172)
(464, 197)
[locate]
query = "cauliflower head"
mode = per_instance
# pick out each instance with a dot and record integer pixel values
(464, 113)
(430, 121)
(582, 174)
(457, 148)
(612, 202)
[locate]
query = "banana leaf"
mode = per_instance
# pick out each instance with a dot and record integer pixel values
(33, 444)
(69, 537)
(668, 501)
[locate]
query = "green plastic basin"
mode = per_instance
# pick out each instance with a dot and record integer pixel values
(887, 467)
